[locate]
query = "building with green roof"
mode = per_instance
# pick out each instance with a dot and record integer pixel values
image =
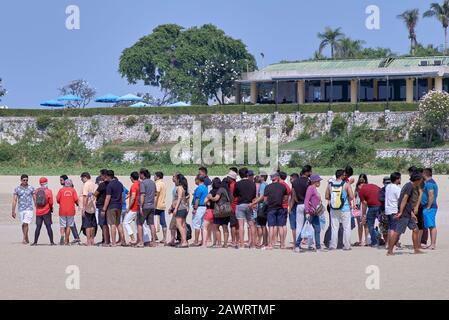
(352, 80)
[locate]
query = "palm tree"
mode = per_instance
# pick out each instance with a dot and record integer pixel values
(410, 18)
(348, 48)
(441, 12)
(330, 38)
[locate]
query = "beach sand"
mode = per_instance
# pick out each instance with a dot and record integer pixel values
(195, 273)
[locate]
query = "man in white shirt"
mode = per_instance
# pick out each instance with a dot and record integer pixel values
(392, 194)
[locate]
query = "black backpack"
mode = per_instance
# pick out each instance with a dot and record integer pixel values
(189, 233)
(381, 198)
(41, 198)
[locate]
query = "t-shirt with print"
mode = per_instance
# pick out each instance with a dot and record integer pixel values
(300, 186)
(67, 198)
(162, 193)
(134, 190)
(89, 188)
(407, 189)
(275, 193)
(147, 188)
(392, 194)
(101, 194)
(245, 191)
(428, 186)
(24, 198)
(115, 190)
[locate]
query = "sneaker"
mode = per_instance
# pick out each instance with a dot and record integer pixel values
(76, 241)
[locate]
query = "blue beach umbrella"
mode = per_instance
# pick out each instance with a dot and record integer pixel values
(129, 98)
(52, 103)
(109, 98)
(69, 97)
(180, 104)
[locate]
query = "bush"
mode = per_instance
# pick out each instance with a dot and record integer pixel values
(130, 122)
(6, 152)
(399, 164)
(152, 158)
(154, 136)
(288, 125)
(148, 128)
(441, 168)
(43, 122)
(112, 155)
(338, 126)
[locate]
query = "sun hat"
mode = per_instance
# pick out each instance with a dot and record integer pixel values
(315, 178)
(232, 175)
(43, 180)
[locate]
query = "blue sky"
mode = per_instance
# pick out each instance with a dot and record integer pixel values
(38, 54)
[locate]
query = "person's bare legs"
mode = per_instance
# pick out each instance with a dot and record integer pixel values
(225, 235)
(25, 229)
(253, 232)
(433, 238)
(67, 236)
(272, 237)
(241, 233)
(113, 235)
(106, 235)
(392, 239)
(121, 233)
(283, 234)
(207, 234)
(180, 224)
(417, 241)
(139, 236)
(153, 235)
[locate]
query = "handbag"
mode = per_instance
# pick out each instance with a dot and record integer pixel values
(319, 211)
(222, 209)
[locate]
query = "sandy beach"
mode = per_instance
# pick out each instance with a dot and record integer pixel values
(195, 273)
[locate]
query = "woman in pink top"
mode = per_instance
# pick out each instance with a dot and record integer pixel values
(311, 203)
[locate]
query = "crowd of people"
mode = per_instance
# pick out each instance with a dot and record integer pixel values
(242, 210)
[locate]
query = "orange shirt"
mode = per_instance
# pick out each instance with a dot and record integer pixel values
(67, 198)
(289, 190)
(48, 206)
(135, 189)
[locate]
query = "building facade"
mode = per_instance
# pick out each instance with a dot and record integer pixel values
(352, 81)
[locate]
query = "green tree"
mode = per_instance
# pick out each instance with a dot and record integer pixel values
(410, 18)
(193, 64)
(79, 88)
(330, 38)
(441, 13)
(375, 53)
(348, 48)
(430, 50)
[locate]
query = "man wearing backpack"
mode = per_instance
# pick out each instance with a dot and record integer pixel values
(339, 196)
(43, 197)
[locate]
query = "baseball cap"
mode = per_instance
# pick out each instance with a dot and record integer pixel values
(68, 183)
(43, 180)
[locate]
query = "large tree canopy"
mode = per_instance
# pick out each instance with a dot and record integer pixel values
(193, 64)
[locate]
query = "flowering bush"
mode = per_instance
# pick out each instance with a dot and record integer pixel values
(431, 123)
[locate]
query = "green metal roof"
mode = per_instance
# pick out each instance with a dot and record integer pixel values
(392, 62)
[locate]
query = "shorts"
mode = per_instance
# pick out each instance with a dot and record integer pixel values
(198, 218)
(222, 221)
(26, 216)
(67, 222)
(182, 214)
(209, 216)
(147, 216)
(403, 223)
(392, 222)
(292, 218)
(244, 212)
(420, 218)
(101, 218)
(430, 218)
(89, 221)
(233, 222)
(113, 217)
(277, 217)
(161, 214)
(261, 221)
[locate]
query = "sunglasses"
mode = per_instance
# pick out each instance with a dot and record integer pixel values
(25, 180)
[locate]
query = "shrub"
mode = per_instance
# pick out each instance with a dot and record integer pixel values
(94, 127)
(338, 126)
(441, 168)
(399, 164)
(6, 152)
(288, 125)
(130, 122)
(154, 136)
(112, 155)
(151, 158)
(148, 127)
(43, 122)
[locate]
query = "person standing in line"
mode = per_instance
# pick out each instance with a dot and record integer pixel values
(245, 191)
(147, 197)
(261, 221)
(362, 227)
(300, 186)
(89, 221)
(430, 206)
(231, 180)
(406, 217)
(392, 194)
(211, 230)
(285, 203)
(180, 208)
(369, 196)
(161, 193)
(199, 210)
(100, 195)
(292, 208)
(112, 208)
(43, 198)
(202, 172)
(312, 202)
(274, 196)
(131, 215)
(73, 229)
(172, 225)
(339, 196)
(23, 199)
(417, 202)
(67, 198)
(220, 195)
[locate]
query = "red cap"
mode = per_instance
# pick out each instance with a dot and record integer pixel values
(43, 180)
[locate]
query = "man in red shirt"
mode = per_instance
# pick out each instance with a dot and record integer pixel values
(43, 197)
(369, 196)
(67, 198)
(133, 206)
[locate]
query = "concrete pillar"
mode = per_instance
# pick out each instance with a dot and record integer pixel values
(301, 91)
(354, 91)
(429, 84)
(253, 92)
(322, 90)
(238, 93)
(409, 90)
(439, 83)
(375, 89)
